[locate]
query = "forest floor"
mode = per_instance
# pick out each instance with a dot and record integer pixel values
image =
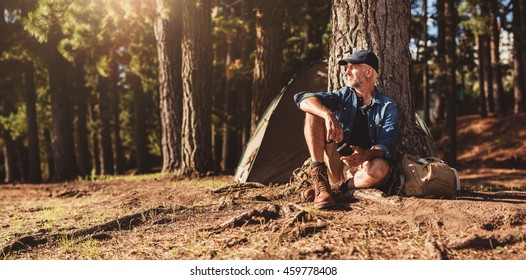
(155, 217)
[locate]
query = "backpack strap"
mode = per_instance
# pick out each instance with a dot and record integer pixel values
(457, 178)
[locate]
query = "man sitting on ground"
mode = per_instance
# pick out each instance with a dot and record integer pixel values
(351, 134)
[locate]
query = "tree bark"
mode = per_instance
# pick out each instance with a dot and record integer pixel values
(35, 172)
(168, 32)
(383, 28)
(266, 82)
(196, 70)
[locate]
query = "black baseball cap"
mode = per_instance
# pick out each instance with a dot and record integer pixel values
(361, 56)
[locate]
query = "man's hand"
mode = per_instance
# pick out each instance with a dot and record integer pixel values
(357, 158)
(333, 128)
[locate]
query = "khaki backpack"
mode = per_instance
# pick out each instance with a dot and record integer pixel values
(428, 177)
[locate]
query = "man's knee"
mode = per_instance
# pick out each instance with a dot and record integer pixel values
(311, 119)
(378, 168)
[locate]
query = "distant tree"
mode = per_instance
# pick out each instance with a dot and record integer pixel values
(450, 137)
(35, 172)
(140, 126)
(106, 146)
(519, 54)
(478, 32)
(498, 90)
(425, 71)
(522, 11)
(267, 65)
(196, 149)
(485, 43)
(383, 28)
(44, 24)
(81, 114)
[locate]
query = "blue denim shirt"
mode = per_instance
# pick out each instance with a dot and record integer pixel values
(382, 117)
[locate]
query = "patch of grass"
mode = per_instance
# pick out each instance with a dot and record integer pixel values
(90, 250)
(140, 177)
(66, 244)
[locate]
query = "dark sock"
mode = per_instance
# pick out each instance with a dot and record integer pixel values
(345, 186)
(314, 164)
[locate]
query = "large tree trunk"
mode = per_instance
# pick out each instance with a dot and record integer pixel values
(518, 65)
(266, 81)
(35, 172)
(81, 128)
(450, 141)
(62, 136)
(168, 32)
(196, 70)
(383, 28)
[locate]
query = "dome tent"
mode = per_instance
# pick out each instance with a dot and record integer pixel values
(277, 147)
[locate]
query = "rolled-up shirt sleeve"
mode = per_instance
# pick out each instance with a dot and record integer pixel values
(328, 99)
(388, 133)
(300, 96)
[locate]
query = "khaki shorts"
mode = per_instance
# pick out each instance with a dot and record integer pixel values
(339, 171)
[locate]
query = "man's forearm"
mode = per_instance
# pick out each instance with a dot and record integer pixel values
(313, 106)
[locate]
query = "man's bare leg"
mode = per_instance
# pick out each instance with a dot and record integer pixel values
(314, 131)
(371, 174)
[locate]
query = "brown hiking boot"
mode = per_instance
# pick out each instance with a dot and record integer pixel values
(337, 189)
(322, 188)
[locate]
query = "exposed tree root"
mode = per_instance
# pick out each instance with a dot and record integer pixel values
(476, 241)
(239, 187)
(301, 230)
(435, 249)
(269, 212)
(236, 241)
(124, 223)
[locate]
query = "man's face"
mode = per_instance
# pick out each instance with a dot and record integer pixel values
(356, 75)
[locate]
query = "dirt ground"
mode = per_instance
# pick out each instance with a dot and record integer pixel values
(155, 217)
